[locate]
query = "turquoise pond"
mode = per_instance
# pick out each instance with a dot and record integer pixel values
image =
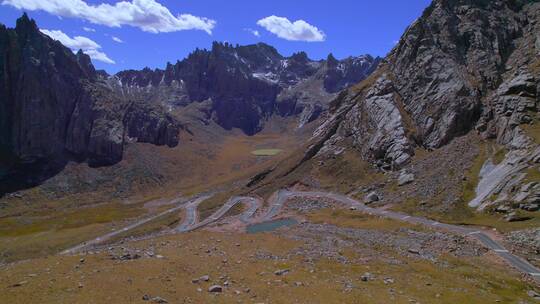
(271, 225)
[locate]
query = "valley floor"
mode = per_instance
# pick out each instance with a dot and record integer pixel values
(315, 263)
(159, 245)
(334, 255)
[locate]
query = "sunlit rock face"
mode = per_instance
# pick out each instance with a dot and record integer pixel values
(462, 66)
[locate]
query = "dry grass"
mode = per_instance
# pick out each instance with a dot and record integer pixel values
(159, 224)
(208, 164)
(532, 174)
(15, 248)
(473, 176)
(106, 281)
(106, 213)
(499, 155)
(354, 219)
(25, 237)
(533, 130)
(345, 173)
(461, 214)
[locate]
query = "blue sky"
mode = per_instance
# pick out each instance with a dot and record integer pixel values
(341, 27)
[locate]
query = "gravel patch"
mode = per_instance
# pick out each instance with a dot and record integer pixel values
(330, 241)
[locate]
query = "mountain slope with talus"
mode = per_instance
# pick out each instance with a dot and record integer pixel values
(462, 66)
(449, 120)
(447, 127)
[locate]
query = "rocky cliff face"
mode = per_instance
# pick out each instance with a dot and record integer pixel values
(54, 106)
(464, 64)
(247, 84)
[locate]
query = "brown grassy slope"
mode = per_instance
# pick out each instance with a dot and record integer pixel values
(232, 258)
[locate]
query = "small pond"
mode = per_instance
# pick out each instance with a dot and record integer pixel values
(266, 152)
(271, 225)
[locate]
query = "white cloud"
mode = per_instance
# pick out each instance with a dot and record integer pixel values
(88, 29)
(254, 32)
(98, 55)
(298, 30)
(77, 42)
(116, 39)
(148, 15)
(89, 47)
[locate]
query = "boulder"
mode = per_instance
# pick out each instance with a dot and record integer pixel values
(366, 277)
(159, 300)
(503, 209)
(205, 278)
(405, 178)
(371, 198)
(533, 294)
(281, 272)
(530, 207)
(215, 288)
(515, 217)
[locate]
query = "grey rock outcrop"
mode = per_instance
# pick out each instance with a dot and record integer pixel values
(503, 179)
(514, 103)
(405, 178)
(376, 125)
(462, 66)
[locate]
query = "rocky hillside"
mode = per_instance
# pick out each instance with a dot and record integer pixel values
(464, 66)
(245, 85)
(54, 107)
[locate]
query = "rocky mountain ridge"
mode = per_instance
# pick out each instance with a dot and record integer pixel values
(245, 85)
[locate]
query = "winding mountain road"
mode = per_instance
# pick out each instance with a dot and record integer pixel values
(281, 197)
(99, 240)
(190, 222)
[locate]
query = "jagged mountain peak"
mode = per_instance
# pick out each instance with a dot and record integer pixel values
(254, 81)
(26, 24)
(300, 57)
(331, 60)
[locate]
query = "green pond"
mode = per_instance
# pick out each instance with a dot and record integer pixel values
(266, 152)
(271, 225)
